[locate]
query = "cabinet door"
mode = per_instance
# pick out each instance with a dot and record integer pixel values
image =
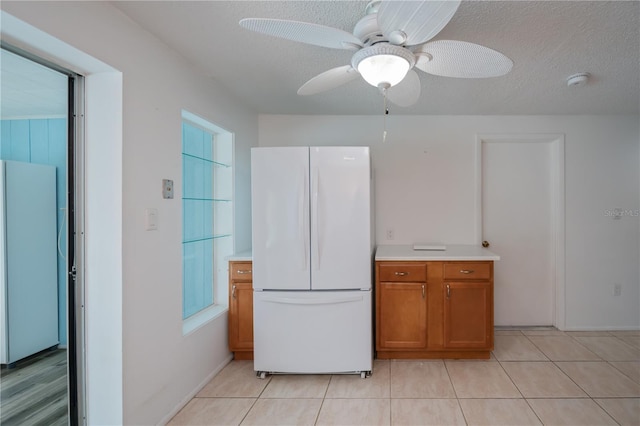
(468, 315)
(402, 316)
(241, 316)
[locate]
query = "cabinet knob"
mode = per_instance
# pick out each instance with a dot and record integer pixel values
(402, 274)
(467, 271)
(423, 292)
(242, 271)
(448, 291)
(233, 291)
(485, 244)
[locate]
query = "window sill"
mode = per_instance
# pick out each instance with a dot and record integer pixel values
(196, 321)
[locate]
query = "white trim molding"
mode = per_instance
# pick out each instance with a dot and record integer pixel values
(102, 211)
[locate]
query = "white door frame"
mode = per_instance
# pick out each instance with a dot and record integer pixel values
(557, 207)
(100, 208)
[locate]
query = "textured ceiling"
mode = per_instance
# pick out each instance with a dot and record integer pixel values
(547, 41)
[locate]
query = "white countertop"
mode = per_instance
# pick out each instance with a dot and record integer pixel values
(246, 255)
(406, 252)
(453, 252)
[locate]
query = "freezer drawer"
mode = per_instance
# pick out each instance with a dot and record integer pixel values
(312, 331)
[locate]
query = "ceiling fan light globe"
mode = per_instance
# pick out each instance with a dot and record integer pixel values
(383, 69)
(383, 63)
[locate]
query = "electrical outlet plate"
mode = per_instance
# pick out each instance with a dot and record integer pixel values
(167, 188)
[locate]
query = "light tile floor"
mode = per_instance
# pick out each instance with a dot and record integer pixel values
(533, 377)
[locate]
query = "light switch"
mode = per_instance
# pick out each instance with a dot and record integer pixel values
(151, 219)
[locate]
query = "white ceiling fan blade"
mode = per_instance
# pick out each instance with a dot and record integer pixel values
(407, 92)
(305, 32)
(450, 58)
(418, 20)
(328, 80)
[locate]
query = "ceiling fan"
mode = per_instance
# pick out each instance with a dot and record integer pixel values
(389, 41)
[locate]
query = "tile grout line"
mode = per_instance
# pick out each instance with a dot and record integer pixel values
(636, 360)
(600, 358)
(502, 363)
(520, 391)
(555, 363)
(388, 362)
(455, 392)
(324, 397)
(255, 401)
(605, 410)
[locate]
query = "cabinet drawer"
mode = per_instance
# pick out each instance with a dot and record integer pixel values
(405, 272)
(241, 271)
(467, 271)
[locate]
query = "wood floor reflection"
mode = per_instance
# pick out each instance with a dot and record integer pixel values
(34, 391)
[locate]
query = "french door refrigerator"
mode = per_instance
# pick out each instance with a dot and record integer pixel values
(312, 259)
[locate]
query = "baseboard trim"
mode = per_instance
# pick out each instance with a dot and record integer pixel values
(171, 414)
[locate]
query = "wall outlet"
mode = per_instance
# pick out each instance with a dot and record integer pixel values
(167, 189)
(617, 289)
(390, 234)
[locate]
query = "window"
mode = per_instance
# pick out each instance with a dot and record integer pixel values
(207, 213)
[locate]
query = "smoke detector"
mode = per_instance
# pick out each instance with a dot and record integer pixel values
(578, 80)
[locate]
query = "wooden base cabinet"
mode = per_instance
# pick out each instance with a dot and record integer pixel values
(434, 309)
(241, 309)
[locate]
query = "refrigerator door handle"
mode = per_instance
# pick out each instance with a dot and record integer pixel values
(316, 219)
(302, 220)
(325, 301)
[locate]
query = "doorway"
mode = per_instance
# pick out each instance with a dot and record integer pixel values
(39, 132)
(520, 213)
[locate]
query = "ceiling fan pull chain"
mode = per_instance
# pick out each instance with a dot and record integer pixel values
(384, 119)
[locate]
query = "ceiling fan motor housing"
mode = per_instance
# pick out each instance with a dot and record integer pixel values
(367, 30)
(383, 49)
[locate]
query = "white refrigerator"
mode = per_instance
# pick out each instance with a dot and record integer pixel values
(312, 260)
(28, 260)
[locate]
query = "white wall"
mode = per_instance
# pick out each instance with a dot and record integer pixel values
(160, 366)
(425, 191)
